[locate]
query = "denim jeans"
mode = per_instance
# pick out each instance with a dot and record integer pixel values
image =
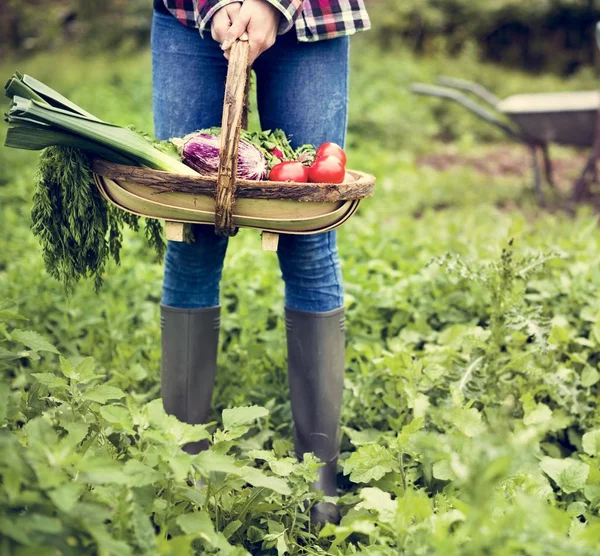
(302, 88)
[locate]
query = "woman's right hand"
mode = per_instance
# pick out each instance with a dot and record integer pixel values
(222, 20)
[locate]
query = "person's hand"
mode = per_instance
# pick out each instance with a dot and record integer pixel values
(222, 20)
(259, 19)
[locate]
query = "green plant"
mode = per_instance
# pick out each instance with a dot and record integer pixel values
(470, 416)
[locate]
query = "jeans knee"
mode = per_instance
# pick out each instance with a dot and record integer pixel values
(311, 271)
(193, 271)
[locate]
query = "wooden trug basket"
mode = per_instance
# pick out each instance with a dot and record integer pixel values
(224, 201)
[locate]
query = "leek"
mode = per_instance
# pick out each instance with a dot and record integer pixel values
(36, 109)
(27, 87)
(121, 140)
(30, 136)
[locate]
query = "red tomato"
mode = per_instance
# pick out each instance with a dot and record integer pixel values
(331, 149)
(289, 170)
(326, 169)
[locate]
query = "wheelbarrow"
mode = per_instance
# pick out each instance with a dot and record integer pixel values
(535, 120)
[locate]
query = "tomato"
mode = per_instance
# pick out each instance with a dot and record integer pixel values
(326, 169)
(331, 149)
(289, 171)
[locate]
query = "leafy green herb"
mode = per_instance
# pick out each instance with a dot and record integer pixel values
(77, 229)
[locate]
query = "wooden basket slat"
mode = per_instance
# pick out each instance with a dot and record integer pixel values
(357, 186)
(302, 224)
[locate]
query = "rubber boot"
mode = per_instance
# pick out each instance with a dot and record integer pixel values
(316, 378)
(190, 339)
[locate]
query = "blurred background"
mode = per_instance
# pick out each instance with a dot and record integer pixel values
(545, 34)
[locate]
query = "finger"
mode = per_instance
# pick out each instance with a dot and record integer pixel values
(243, 37)
(238, 27)
(219, 26)
(219, 31)
(258, 46)
(232, 11)
(254, 52)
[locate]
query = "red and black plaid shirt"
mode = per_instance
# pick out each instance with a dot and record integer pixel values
(314, 20)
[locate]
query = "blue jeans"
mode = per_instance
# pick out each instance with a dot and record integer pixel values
(302, 88)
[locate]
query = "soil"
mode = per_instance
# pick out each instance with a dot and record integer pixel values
(508, 160)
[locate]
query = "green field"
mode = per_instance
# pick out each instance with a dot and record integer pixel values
(470, 418)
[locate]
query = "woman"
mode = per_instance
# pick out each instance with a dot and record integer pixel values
(302, 88)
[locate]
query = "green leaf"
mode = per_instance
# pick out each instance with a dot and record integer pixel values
(32, 340)
(83, 372)
(596, 331)
(143, 530)
(239, 416)
(277, 540)
(442, 471)
(101, 470)
(468, 421)
(539, 414)
(43, 523)
(379, 501)
(5, 395)
(7, 311)
(560, 332)
(407, 432)
(77, 432)
(364, 436)
(65, 497)
(591, 442)
(343, 531)
(180, 465)
(175, 546)
(156, 413)
(569, 474)
(103, 393)
(258, 478)
(184, 432)
(140, 474)
(6, 355)
(419, 404)
(231, 528)
(209, 461)
(370, 463)
(197, 523)
(40, 432)
(283, 467)
(589, 377)
(50, 380)
(107, 544)
(19, 532)
(116, 414)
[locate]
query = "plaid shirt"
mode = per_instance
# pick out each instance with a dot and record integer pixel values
(314, 20)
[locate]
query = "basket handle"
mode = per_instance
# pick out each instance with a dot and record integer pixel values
(234, 105)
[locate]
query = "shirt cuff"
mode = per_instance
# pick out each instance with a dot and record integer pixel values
(290, 10)
(204, 16)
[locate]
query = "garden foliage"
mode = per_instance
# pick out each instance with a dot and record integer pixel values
(470, 416)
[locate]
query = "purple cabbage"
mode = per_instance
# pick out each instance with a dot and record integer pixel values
(201, 152)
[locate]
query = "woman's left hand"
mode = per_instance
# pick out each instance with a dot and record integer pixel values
(259, 19)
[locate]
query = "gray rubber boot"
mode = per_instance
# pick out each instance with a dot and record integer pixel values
(316, 378)
(190, 339)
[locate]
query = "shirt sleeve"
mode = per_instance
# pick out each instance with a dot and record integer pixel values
(290, 11)
(205, 9)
